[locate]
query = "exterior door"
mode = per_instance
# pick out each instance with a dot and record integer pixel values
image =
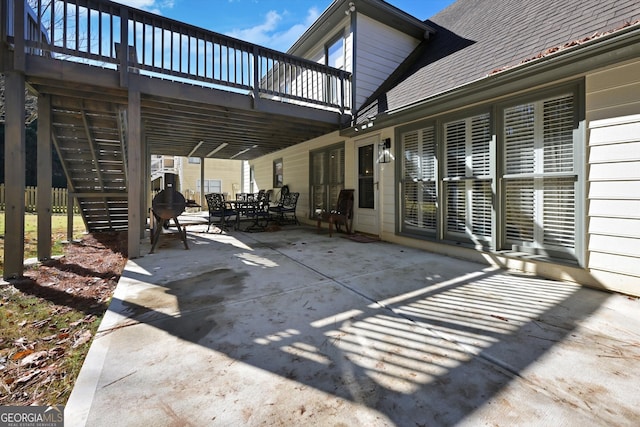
(366, 203)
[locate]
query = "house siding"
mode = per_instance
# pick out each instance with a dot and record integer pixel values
(295, 161)
(379, 51)
(611, 199)
(613, 102)
(227, 171)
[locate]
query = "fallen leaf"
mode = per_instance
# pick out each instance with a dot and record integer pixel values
(39, 324)
(21, 354)
(33, 359)
(87, 319)
(29, 376)
(56, 352)
(82, 339)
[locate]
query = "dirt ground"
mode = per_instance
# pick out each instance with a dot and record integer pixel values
(77, 286)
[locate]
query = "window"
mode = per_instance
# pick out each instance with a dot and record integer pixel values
(278, 175)
(194, 160)
(210, 186)
(327, 178)
(418, 180)
(366, 193)
(467, 179)
(336, 53)
(335, 56)
(540, 179)
(505, 181)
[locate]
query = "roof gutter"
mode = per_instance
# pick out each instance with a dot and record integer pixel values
(609, 49)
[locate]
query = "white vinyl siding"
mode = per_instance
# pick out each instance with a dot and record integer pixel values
(613, 103)
(468, 178)
(380, 50)
(540, 179)
(419, 180)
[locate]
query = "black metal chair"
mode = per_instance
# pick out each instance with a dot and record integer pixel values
(259, 211)
(220, 211)
(285, 211)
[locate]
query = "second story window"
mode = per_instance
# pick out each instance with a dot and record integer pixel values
(194, 160)
(335, 56)
(335, 53)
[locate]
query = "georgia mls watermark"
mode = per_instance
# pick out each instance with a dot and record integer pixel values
(32, 416)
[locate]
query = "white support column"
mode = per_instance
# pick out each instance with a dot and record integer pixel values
(14, 174)
(136, 169)
(44, 177)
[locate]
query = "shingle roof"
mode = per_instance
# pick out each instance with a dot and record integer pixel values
(476, 37)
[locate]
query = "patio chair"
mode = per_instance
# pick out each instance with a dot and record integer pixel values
(220, 211)
(259, 211)
(343, 214)
(285, 211)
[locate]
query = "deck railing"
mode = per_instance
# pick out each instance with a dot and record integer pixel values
(108, 34)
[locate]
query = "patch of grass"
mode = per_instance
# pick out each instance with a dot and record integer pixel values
(58, 234)
(49, 317)
(42, 348)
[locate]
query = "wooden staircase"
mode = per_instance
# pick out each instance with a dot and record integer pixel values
(89, 137)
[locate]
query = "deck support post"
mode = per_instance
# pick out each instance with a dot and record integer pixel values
(135, 168)
(44, 176)
(14, 170)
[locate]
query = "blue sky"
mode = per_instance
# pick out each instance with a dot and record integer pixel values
(272, 23)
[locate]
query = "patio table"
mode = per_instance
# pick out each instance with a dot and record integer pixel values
(251, 209)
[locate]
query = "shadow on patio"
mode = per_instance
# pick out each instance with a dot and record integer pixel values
(295, 328)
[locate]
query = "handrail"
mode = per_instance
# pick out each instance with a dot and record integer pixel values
(92, 31)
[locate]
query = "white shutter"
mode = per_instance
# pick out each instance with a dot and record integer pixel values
(468, 178)
(558, 135)
(540, 183)
(428, 154)
(456, 206)
(418, 179)
(559, 212)
(519, 123)
(411, 173)
(519, 210)
(482, 208)
(481, 192)
(455, 140)
(427, 186)
(559, 193)
(480, 146)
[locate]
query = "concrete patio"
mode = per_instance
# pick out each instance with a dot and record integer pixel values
(294, 328)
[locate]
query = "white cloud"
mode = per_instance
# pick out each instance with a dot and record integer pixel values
(268, 33)
(153, 6)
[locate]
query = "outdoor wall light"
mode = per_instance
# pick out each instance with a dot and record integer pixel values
(384, 151)
(352, 8)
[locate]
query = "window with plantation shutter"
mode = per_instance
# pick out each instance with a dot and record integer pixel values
(419, 198)
(327, 178)
(468, 179)
(540, 179)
